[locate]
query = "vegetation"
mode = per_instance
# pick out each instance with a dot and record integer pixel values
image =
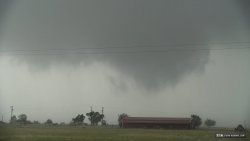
(78, 119)
(36, 122)
(109, 134)
(1, 123)
(49, 122)
(240, 128)
(22, 118)
(120, 117)
(104, 122)
(63, 132)
(196, 121)
(94, 117)
(210, 122)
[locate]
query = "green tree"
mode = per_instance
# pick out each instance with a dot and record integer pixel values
(22, 118)
(240, 128)
(36, 122)
(49, 122)
(120, 117)
(94, 117)
(196, 121)
(62, 123)
(78, 119)
(2, 123)
(104, 122)
(210, 122)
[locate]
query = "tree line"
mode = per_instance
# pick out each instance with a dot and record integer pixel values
(93, 117)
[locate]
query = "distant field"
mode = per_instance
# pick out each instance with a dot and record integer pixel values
(108, 134)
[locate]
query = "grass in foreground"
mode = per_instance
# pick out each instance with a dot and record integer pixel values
(108, 134)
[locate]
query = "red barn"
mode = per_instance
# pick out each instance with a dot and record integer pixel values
(157, 122)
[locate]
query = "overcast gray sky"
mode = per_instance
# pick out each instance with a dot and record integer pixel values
(141, 57)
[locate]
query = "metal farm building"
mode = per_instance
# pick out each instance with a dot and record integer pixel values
(157, 122)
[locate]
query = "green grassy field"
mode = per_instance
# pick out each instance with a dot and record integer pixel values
(108, 134)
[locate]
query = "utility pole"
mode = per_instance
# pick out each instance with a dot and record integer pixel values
(11, 112)
(2, 118)
(102, 113)
(91, 115)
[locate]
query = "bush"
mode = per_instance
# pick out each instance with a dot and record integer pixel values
(210, 122)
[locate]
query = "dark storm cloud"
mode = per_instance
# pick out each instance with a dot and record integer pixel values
(245, 7)
(4, 6)
(134, 37)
